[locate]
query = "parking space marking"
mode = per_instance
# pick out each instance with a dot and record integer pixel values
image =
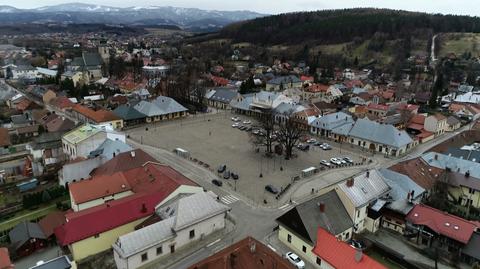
(229, 199)
(286, 207)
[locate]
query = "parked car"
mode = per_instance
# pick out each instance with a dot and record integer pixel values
(295, 260)
(318, 143)
(235, 119)
(311, 140)
(356, 244)
(271, 189)
(247, 122)
(325, 162)
(242, 127)
(217, 182)
(342, 160)
(249, 128)
(235, 125)
(222, 168)
(326, 146)
(226, 174)
(303, 147)
(347, 159)
(234, 176)
(335, 161)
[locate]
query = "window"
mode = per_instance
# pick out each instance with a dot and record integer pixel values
(192, 234)
(144, 257)
(289, 238)
(347, 236)
(471, 191)
(358, 214)
(159, 250)
(172, 248)
(304, 249)
(319, 261)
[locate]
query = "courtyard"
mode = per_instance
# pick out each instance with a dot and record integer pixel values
(210, 139)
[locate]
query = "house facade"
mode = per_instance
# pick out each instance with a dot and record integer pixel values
(436, 124)
(82, 140)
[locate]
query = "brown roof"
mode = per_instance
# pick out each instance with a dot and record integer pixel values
(60, 125)
(51, 221)
(246, 254)
(62, 102)
(419, 171)
(27, 129)
(123, 161)
(458, 141)
(5, 262)
(38, 114)
(4, 138)
(98, 116)
(98, 186)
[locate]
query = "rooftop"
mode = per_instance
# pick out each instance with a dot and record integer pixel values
(81, 133)
(365, 188)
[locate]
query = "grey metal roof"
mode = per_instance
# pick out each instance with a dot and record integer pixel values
(400, 186)
(110, 147)
(80, 170)
(305, 218)
(244, 103)
(223, 95)
(380, 133)
(168, 105)
(285, 80)
(458, 165)
(23, 232)
(127, 112)
(287, 108)
(452, 120)
(61, 262)
(332, 121)
(148, 109)
(365, 189)
(186, 211)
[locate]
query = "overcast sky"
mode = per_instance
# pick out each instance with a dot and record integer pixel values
(464, 7)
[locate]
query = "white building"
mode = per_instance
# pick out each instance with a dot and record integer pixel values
(184, 220)
(82, 140)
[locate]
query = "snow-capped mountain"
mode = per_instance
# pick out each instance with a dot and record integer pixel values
(138, 15)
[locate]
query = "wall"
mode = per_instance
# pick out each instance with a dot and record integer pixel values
(463, 192)
(85, 147)
(181, 239)
(77, 207)
(296, 244)
(92, 245)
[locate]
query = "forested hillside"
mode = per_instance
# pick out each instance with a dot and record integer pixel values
(337, 26)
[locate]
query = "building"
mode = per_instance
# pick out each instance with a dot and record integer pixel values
(87, 115)
(50, 222)
(245, 254)
(26, 238)
(334, 126)
(298, 227)
(78, 169)
(332, 253)
(123, 162)
(377, 110)
(129, 115)
(453, 124)
(426, 225)
(81, 141)
(436, 124)
(283, 82)
(162, 108)
(184, 221)
(382, 138)
(48, 96)
(358, 194)
(221, 97)
(46, 151)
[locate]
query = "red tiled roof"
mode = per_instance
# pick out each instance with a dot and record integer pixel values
(306, 78)
(442, 223)
(23, 105)
(62, 102)
(418, 119)
(424, 134)
(5, 262)
(419, 171)
(317, 88)
(377, 107)
(51, 221)
(98, 116)
(341, 255)
(415, 126)
(98, 187)
(219, 81)
(98, 219)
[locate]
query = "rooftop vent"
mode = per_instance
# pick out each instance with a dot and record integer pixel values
(447, 224)
(456, 227)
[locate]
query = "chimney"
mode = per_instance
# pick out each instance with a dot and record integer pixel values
(467, 174)
(358, 255)
(367, 174)
(114, 155)
(132, 153)
(350, 182)
(322, 207)
(144, 208)
(436, 156)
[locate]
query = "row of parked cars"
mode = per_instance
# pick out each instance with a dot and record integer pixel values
(227, 174)
(336, 161)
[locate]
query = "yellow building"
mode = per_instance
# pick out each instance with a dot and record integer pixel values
(298, 227)
(464, 190)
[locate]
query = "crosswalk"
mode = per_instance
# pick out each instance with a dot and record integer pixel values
(287, 207)
(229, 199)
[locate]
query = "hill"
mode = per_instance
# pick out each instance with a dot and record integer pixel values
(340, 26)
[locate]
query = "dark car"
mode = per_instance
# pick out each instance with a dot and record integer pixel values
(304, 147)
(271, 189)
(222, 168)
(357, 244)
(217, 182)
(234, 176)
(226, 175)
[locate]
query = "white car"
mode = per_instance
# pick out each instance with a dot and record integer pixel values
(325, 162)
(235, 119)
(247, 122)
(235, 125)
(335, 161)
(295, 260)
(311, 140)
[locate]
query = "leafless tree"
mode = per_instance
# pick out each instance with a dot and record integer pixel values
(267, 121)
(289, 135)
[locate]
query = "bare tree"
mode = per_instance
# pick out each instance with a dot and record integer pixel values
(267, 121)
(289, 135)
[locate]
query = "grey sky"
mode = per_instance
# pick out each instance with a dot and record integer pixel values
(464, 7)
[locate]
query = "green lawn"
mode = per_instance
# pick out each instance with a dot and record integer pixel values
(460, 43)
